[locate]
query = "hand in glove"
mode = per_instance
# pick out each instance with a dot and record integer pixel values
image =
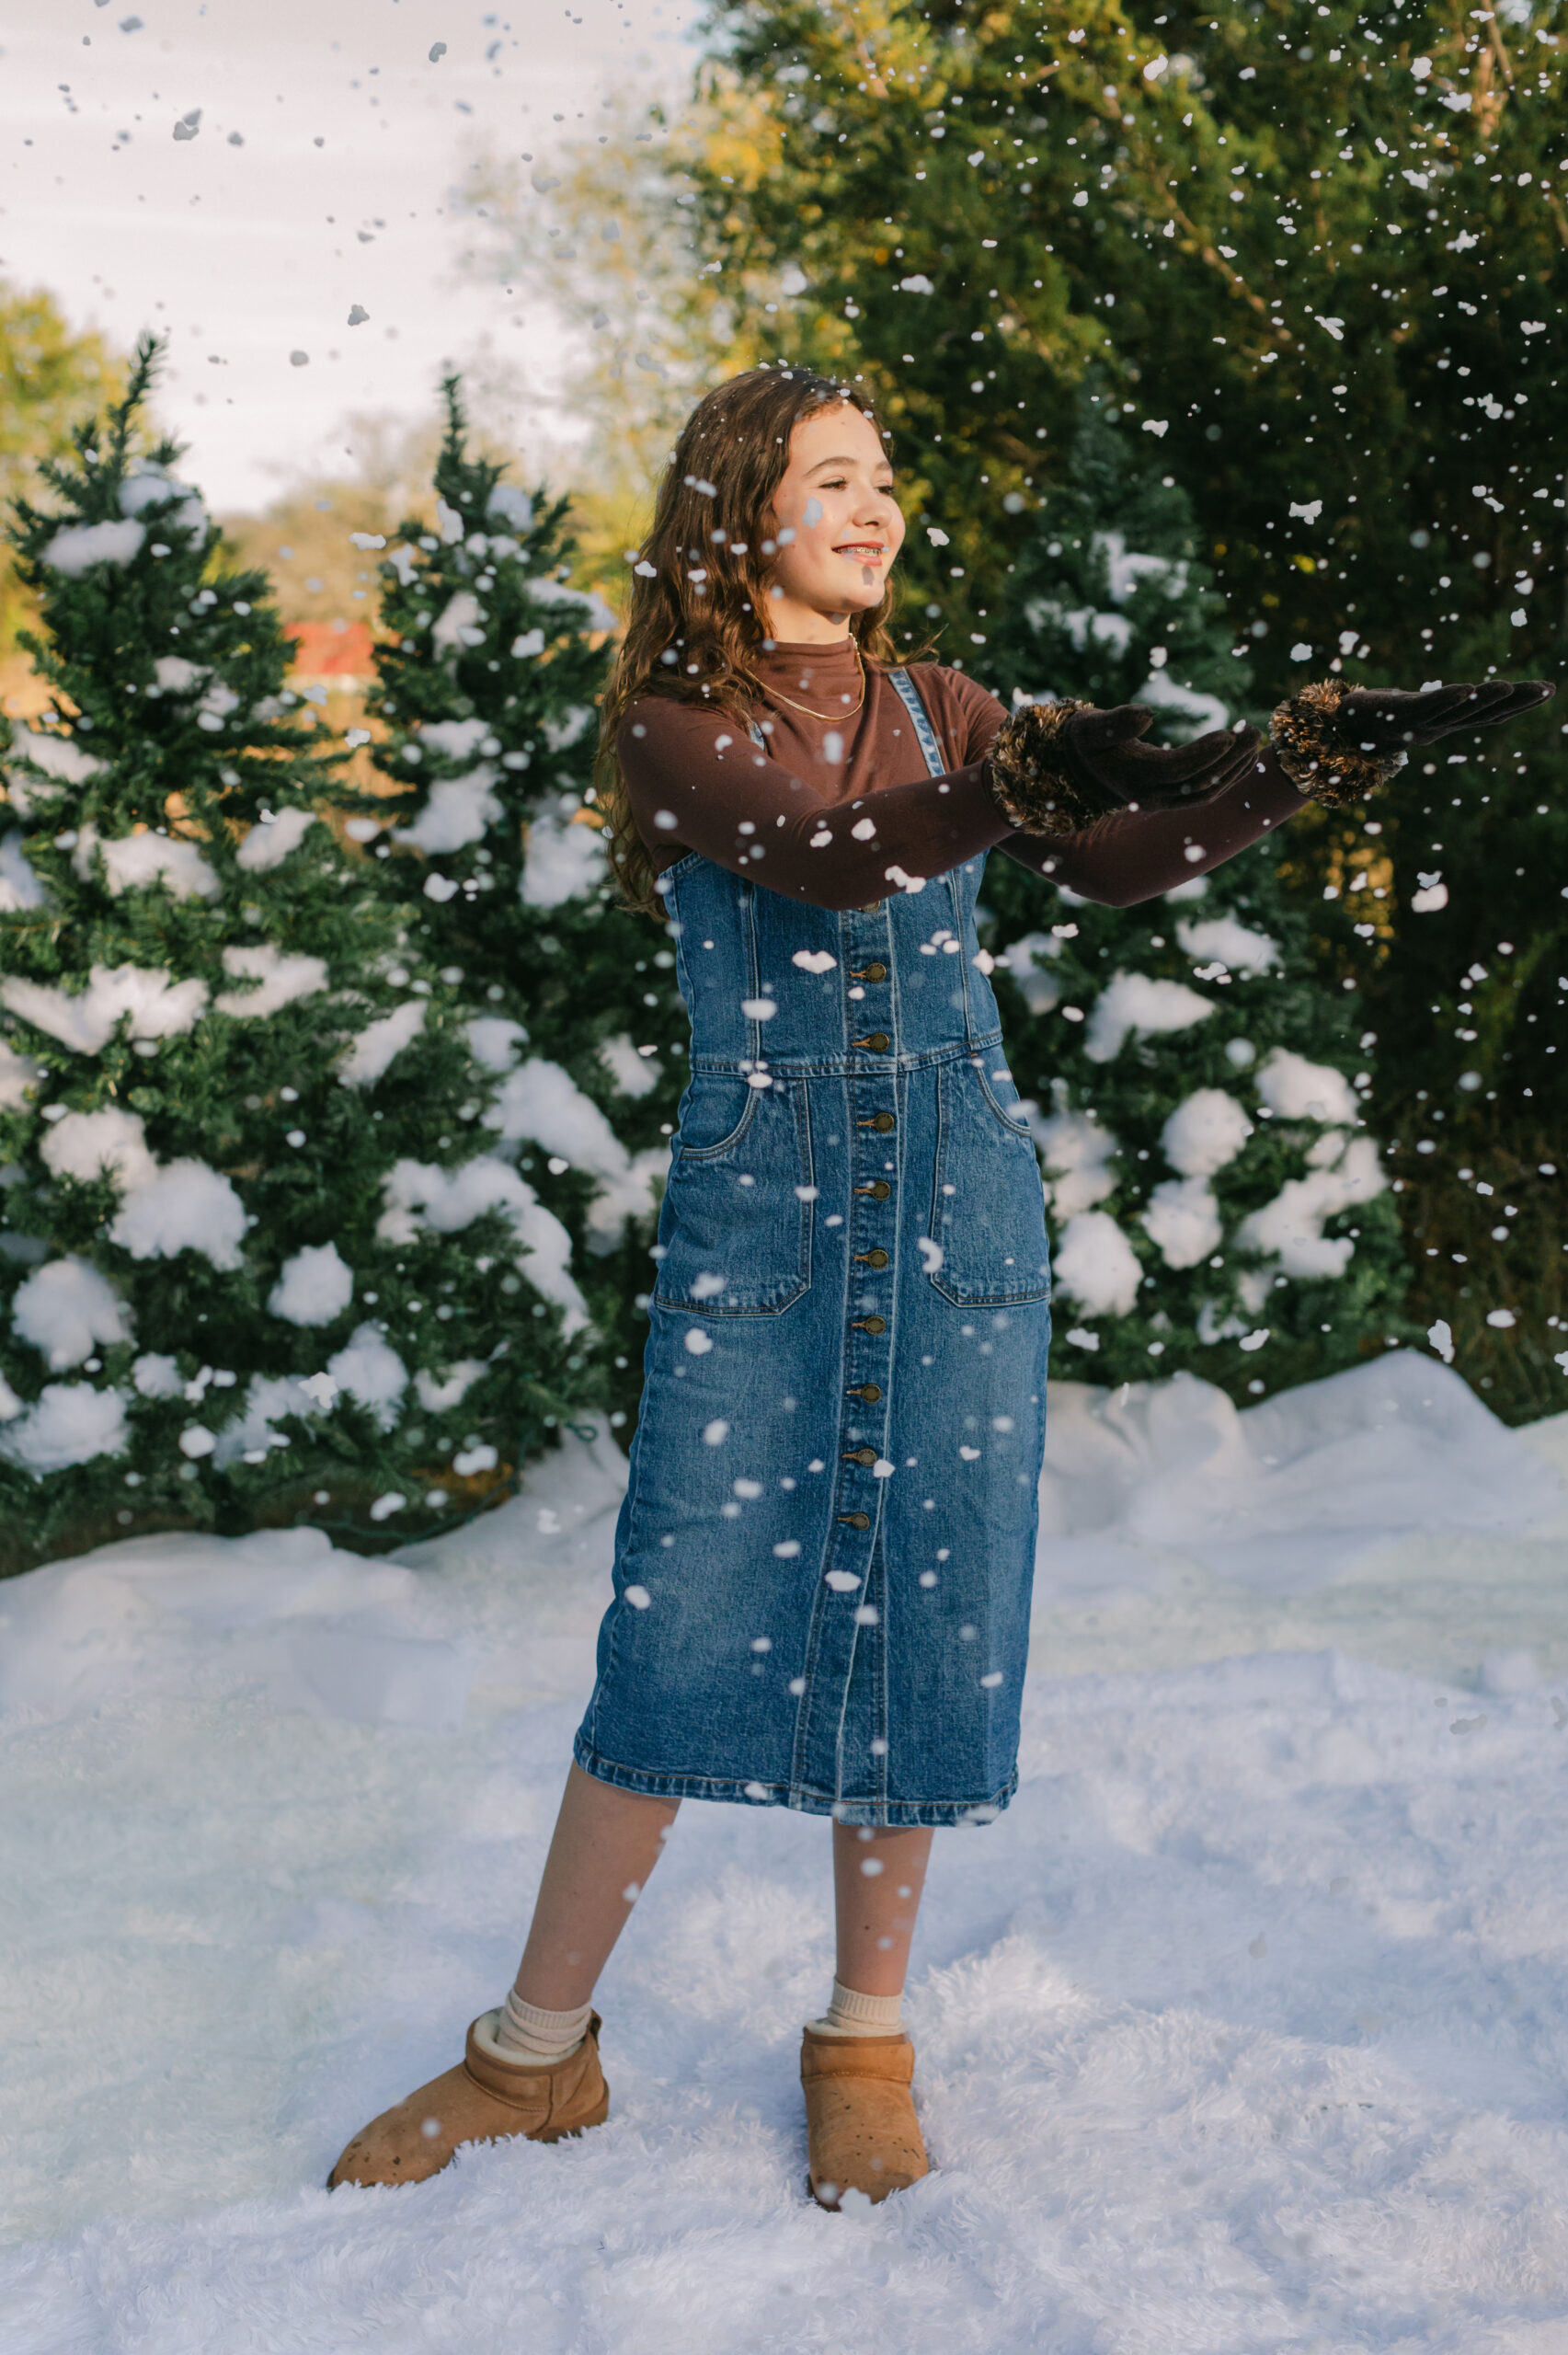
(1054, 768)
(1339, 743)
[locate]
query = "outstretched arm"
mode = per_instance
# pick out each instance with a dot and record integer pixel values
(1334, 743)
(698, 781)
(1137, 855)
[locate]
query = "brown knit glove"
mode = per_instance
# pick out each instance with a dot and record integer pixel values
(1340, 743)
(1053, 768)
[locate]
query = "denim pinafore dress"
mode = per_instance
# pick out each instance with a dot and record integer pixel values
(824, 1555)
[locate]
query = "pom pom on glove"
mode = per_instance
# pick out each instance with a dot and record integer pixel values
(1053, 768)
(1340, 743)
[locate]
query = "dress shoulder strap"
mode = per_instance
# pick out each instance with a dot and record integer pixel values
(925, 734)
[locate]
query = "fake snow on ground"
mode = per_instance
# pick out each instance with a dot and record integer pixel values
(1245, 2028)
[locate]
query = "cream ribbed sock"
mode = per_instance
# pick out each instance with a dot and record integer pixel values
(533, 2034)
(849, 2013)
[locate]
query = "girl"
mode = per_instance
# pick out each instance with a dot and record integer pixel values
(823, 1561)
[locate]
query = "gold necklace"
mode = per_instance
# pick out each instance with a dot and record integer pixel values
(806, 708)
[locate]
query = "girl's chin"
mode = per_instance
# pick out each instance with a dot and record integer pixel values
(847, 598)
(859, 595)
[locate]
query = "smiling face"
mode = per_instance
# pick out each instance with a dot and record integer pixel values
(838, 526)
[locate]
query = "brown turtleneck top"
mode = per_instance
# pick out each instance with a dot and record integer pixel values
(839, 807)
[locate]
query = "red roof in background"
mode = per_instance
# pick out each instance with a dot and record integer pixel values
(329, 650)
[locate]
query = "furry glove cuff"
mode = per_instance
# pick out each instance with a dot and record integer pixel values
(1054, 768)
(1340, 743)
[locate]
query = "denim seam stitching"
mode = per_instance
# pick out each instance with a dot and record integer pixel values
(801, 1278)
(982, 1299)
(684, 1785)
(848, 1067)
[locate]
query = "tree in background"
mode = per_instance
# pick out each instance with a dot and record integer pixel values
(488, 675)
(257, 1264)
(603, 239)
(313, 540)
(1323, 254)
(1217, 1204)
(48, 376)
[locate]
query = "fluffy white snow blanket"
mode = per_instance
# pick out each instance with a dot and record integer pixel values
(1244, 2030)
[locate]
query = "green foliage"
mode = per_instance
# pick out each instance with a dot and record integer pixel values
(1324, 254)
(1108, 603)
(1107, 597)
(255, 1265)
(487, 683)
(48, 376)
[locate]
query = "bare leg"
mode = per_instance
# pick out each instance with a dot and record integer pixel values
(878, 1879)
(606, 1843)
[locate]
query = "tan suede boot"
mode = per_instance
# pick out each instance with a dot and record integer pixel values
(490, 2095)
(862, 2132)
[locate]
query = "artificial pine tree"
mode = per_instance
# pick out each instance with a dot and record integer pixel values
(488, 672)
(1199, 1095)
(257, 1265)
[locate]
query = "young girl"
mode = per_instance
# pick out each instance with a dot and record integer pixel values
(823, 1561)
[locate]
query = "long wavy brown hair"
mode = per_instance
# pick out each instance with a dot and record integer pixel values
(700, 581)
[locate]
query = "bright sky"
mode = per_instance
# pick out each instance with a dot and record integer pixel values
(318, 178)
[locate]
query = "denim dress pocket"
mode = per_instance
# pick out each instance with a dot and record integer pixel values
(988, 1209)
(735, 1230)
